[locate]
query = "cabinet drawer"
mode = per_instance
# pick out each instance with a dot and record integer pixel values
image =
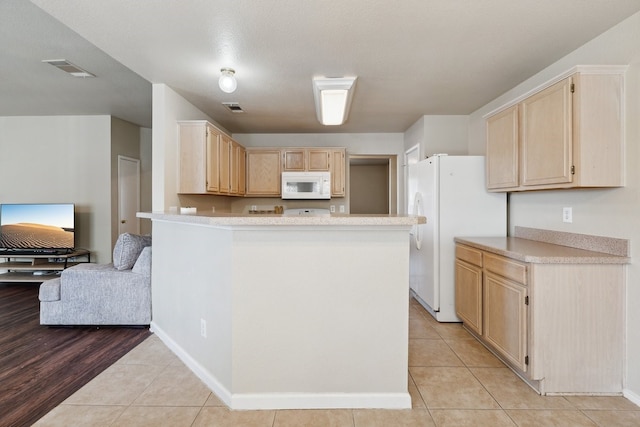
(506, 267)
(470, 255)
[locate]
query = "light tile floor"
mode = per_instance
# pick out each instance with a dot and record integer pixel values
(453, 381)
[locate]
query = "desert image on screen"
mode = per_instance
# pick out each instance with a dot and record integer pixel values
(48, 226)
(35, 236)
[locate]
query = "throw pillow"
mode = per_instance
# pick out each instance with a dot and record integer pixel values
(127, 249)
(143, 263)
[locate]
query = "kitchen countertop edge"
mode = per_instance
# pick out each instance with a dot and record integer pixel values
(228, 219)
(537, 252)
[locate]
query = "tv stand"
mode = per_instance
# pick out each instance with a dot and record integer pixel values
(38, 267)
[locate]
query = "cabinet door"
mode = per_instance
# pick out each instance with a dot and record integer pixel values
(225, 163)
(505, 318)
(193, 158)
(468, 279)
(502, 149)
(241, 169)
(263, 172)
(293, 160)
(318, 160)
(234, 166)
(546, 136)
(337, 170)
(213, 159)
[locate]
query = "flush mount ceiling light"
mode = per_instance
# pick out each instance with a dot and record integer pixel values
(68, 67)
(333, 98)
(227, 81)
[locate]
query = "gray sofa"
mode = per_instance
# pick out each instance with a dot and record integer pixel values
(102, 294)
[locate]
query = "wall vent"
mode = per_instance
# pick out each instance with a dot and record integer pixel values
(68, 67)
(234, 107)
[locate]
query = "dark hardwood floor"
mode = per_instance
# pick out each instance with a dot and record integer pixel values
(42, 366)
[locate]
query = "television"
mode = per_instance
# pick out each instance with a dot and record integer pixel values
(37, 228)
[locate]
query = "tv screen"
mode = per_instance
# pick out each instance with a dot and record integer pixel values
(37, 227)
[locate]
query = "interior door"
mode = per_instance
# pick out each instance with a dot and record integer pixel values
(128, 195)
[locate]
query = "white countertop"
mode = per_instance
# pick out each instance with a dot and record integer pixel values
(234, 219)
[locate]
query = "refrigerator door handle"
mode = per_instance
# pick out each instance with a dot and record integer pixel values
(417, 210)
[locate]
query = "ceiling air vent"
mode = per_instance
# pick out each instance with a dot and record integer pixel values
(234, 107)
(68, 67)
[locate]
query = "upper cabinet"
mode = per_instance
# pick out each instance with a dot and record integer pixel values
(199, 157)
(305, 159)
(263, 172)
(567, 134)
(210, 161)
(338, 170)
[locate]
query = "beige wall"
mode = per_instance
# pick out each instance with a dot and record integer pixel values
(61, 159)
(146, 177)
(369, 186)
(438, 134)
(70, 159)
(125, 141)
(610, 212)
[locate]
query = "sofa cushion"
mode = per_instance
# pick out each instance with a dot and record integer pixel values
(50, 290)
(143, 263)
(127, 249)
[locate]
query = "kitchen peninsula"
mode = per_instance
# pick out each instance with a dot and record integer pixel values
(285, 312)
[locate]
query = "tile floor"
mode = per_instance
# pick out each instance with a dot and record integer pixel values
(453, 381)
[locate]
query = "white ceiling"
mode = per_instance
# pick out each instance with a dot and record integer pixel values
(412, 57)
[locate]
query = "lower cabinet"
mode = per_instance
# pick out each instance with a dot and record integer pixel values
(505, 318)
(560, 326)
(468, 273)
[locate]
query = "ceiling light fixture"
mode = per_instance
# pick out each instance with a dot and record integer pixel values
(227, 81)
(333, 98)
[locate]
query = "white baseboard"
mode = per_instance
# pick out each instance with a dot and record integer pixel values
(256, 401)
(205, 376)
(632, 396)
(322, 401)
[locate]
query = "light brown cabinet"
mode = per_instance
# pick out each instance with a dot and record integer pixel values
(468, 295)
(198, 158)
(265, 165)
(502, 150)
(558, 325)
(225, 164)
(294, 160)
(210, 161)
(240, 163)
(318, 159)
(306, 160)
(505, 308)
(263, 172)
(337, 167)
(567, 135)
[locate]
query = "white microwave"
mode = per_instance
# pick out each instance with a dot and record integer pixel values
(306, 185)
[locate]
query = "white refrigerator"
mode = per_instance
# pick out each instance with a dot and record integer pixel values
(450, 192)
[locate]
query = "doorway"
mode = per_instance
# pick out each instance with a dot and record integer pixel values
(128, 195)
(372, 184)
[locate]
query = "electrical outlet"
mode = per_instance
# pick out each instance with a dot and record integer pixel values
(567, 214)
(332, 208)
(203, 328)
(254, 208)
(341, 208)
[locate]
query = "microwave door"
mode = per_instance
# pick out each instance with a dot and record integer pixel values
(300, 189)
